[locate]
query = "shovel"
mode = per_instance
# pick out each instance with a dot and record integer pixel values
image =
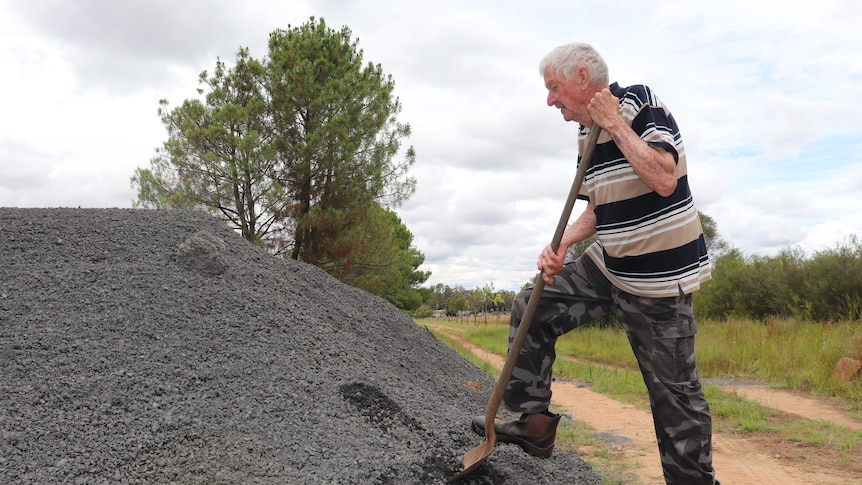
(475, 457)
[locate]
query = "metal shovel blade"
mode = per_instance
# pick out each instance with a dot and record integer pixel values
(475, 457)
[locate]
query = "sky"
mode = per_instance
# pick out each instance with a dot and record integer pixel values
(768, 96)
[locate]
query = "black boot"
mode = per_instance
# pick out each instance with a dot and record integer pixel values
(534, 433)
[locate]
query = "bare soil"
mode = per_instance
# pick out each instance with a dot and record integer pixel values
(627, 431)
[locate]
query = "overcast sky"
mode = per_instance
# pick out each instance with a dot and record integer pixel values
(768, 95)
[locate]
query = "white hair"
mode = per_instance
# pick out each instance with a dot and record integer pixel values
(565, 60)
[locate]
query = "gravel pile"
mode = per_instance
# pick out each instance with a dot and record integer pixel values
(141, 346)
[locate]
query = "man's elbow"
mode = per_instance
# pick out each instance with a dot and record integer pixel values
(665, 179)
(666, 187)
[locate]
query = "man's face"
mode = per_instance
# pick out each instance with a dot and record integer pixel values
(567, 96)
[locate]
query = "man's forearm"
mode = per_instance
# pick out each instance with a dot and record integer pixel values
(656, 167)
(583, 227)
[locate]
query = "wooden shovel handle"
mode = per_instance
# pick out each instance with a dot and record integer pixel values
(475, 457)
(533, 302)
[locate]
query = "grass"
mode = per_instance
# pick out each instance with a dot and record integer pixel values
(788, 354)
(619, 384)
(481, 364)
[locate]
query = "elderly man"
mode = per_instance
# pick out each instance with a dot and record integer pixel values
(649, 258)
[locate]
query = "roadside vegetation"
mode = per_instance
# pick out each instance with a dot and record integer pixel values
(825, 286)
(791, 354)
(786, 354)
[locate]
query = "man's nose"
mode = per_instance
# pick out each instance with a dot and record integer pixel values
(551, 99)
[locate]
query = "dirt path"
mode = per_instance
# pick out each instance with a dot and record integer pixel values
(793, 404)
(629, 430)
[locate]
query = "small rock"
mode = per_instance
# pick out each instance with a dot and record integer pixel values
(202, 252)
(847, 369)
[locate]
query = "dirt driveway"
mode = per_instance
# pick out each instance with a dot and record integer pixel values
(737, 460)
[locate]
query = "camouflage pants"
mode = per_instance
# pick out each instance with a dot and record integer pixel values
(661, 333)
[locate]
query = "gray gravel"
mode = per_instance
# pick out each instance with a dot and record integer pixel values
(141, 346)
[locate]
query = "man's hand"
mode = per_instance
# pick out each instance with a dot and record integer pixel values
(551, 263)
(655, 166)
(604, 109)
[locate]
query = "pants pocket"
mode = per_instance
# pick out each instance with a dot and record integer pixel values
(673, 351)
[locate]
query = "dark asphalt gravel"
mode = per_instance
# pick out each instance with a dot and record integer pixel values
(142, 346)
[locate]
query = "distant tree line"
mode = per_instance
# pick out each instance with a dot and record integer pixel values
(823, 286)
(451, 301)
(443, 300)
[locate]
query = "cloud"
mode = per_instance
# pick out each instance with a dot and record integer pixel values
(120, 46)
(29, 167)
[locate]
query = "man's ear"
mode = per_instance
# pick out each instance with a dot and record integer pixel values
(583, 76)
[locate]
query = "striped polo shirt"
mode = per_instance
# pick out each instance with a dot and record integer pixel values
(648, 245)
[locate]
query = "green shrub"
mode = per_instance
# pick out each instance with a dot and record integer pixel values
(824, 287)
